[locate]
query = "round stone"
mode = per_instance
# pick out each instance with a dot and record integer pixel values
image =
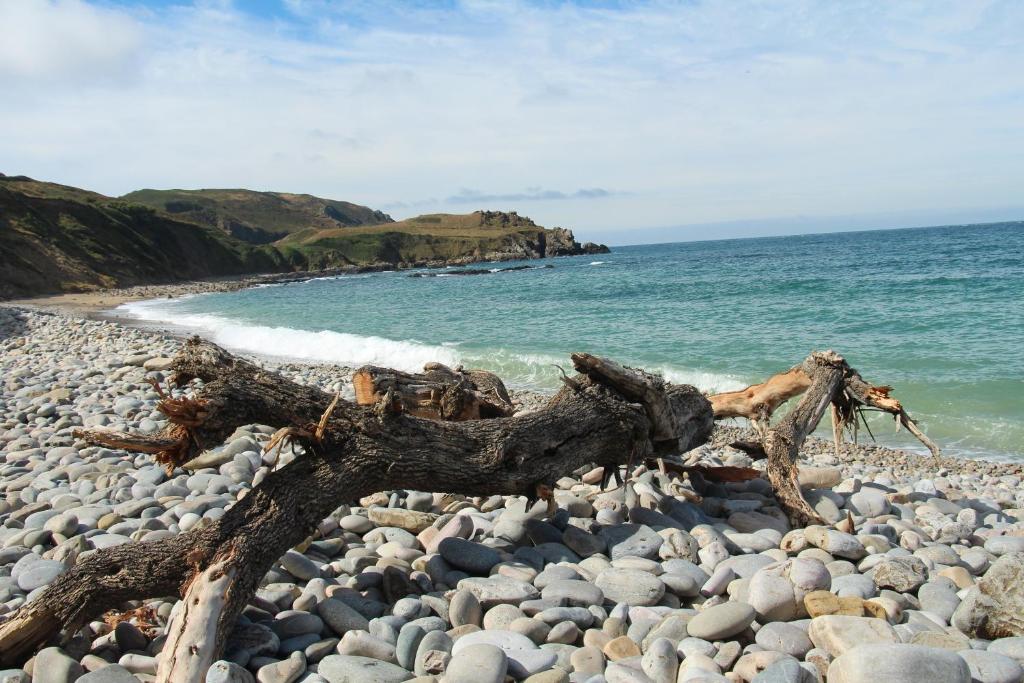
(660, 662)
(991, 667)
(506, 640)
(223, 671)
(868, 502)
(1010, 647)
(464, 609)
(772, 596)
(721, 621)
(354, 669)
(1003, 545)
(113, 673)
(471, 557)
(630, 586)
(129, 637)
(783, 637)
(632, 540)
(357, 524)
(835, 542)
(300, 566)
(573, 592)
(904, 663)
(622, 647)
(499, 590)
(480, 663)
(408, 642)
(340, 617)
(284, 671)
(38, 574)
(524, 659)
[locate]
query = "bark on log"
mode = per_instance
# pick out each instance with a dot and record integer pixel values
(361, 450)
(438, 393)
(783, 441)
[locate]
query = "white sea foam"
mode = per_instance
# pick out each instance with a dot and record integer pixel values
(286, 342)
(705, 381)
(536, 371)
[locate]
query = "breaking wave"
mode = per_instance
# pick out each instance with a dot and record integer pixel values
(534, 371)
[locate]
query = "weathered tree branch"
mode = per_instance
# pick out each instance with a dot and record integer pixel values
(759, 401)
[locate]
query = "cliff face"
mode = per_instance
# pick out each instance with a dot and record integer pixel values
(55, 238)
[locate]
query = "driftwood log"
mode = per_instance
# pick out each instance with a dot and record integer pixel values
(350, 452)
(607, 415)
(439, 392)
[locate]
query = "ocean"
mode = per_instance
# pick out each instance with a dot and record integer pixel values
(938, 313)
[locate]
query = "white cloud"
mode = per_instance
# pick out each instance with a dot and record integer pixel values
(58, 40)
(694, 113)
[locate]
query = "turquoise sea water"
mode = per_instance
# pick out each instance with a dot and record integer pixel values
(938, 313)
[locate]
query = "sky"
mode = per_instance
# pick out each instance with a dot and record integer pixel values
(627, 121)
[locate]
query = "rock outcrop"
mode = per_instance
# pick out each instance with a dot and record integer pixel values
(561, 242)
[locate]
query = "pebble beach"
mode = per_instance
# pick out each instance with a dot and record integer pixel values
(642, 583)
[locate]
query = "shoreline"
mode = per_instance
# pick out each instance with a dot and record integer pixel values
(94, 301)
(100, 306)
(94, 308)
(103, 300)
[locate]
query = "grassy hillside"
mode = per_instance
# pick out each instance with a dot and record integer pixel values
(55, 238)
(481, 235)
(257, 217)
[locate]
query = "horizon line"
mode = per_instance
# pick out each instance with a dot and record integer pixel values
(814, 234)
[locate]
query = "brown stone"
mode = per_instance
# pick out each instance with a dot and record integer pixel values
(818, 603)
(622, 647)
(587, 660)
(613, 627)
(594, 637)
(958, 575)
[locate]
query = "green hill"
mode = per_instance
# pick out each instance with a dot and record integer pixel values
(56, 238)
(257, 217)
(459, 238)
